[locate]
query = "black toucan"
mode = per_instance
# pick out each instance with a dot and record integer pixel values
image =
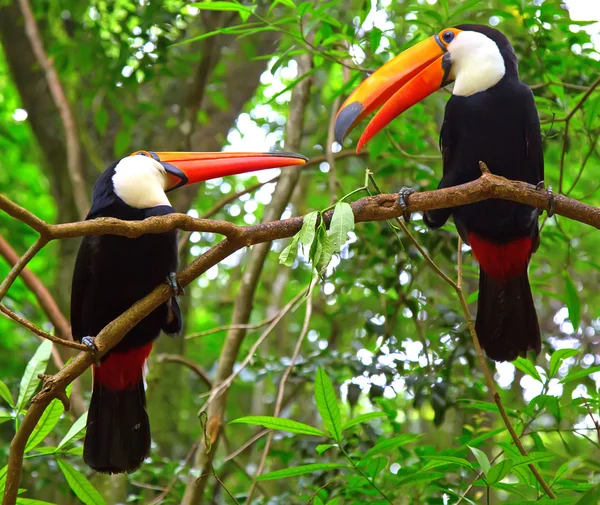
(491, 117)
(113, 272)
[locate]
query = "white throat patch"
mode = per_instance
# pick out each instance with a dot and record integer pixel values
(140, 182)
(476, 63)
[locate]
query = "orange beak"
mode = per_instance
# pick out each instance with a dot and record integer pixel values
(188, 168)
(397, 86)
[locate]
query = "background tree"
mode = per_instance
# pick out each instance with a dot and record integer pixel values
(389, 332)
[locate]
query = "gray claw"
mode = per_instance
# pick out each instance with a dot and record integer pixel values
(403, 195)
(551, 200)
(174, 283)
(91, 345)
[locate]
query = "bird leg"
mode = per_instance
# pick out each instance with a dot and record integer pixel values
(551, 200)
(403, 195)
(174, 283)
(91, 345)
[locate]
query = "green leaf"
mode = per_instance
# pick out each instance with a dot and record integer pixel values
(327, 250)
(288, 255)
(5, 394)
(300, 470)
(79, 484)
(327, 404)
(592, 497)
(321, 448)
(306, 234)
(481, 458)
(573, 303)
(527, 367)
(280, 423)
(450, 460)
(579, 374)
(37, 365)
(363, 418)
(122, 141)
(75, 431)
(498, 471)
(242, 10)
(557, 358)
(46, 424)
(342, 222)
(420, 477)
(533, 457)
(392, 443)
(375, 38)
(101, 119)
(5, 417)
(29, 501)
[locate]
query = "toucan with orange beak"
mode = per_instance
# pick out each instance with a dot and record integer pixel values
(113, 272)
(490, 117)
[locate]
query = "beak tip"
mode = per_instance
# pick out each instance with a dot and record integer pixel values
(346, 119)
(301, 159)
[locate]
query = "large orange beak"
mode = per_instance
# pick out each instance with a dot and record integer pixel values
(396, 86)
(188, 168)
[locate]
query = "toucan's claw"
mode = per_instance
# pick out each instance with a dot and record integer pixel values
(174, 283)
(551, 200)
(403, 195)
(91, 345)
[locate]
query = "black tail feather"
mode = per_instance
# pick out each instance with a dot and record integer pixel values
(118, 432)
(507, 324)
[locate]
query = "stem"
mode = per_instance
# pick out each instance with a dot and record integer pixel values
(370, 481)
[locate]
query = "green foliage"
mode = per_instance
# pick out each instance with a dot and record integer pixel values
(386, 400)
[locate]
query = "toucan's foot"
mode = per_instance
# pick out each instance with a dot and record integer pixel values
(551, 200)
(91, 345)
(174, 283)
(403, 195)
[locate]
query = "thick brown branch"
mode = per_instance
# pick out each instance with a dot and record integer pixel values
(376, 208)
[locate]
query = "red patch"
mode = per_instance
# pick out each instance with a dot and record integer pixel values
(501, 261)
(122, 370)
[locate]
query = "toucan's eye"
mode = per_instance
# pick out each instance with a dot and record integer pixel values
(448, 37)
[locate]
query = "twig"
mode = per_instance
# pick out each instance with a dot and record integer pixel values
(282, 383)
(420, 157)
(228, 327)
(43, 296)
(20, 264)
(62, 104)
(374, 208)
(224, 385)
(41, 333)
(247, 444)
(457, 286)
(175, 358)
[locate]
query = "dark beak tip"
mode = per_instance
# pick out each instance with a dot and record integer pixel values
(346, 119)
(285, 154)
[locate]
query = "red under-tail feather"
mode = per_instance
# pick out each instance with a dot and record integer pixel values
(506, 323)
(118, 431)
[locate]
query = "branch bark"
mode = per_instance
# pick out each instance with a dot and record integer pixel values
(375, 208)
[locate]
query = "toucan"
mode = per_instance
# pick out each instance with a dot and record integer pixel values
(113, 272)
(490, 117)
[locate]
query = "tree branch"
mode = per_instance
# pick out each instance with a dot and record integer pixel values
(375, 208)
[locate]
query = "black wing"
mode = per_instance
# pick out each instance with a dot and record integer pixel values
(438, 217)
(533, 137)
(80, 286)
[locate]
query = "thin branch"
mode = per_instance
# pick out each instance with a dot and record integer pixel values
(21, 263)
(419, 157)
(62, 104)
(224, 385)
(194, 367)
(247, 444)
(43, 296)
(41, 333)
(373, 208)
(230, 327)
(282, 383)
